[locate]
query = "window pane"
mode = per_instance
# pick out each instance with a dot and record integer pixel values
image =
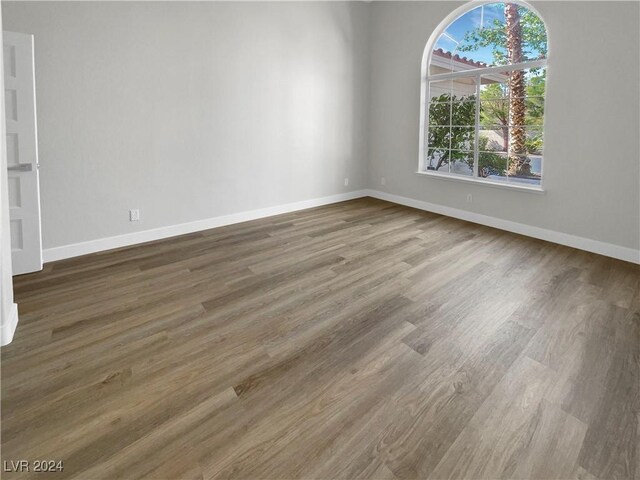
(440, 102)
(463, 138)
(535, 161)
(494, 108)
(494, 139)
(526, 166)
(463, 112)
(450, 161)
(480, 37)
(444, 61)
(498, 106)
(455, 138)
(439, 137)
(463, 89)
(535, 140)
(457, 90)
(534, 108)
(440, 91)
(494, 86)
(452, 112)
(525, 169)
(536, 80)
(492, 165)
(511, 117)
(461, 163)
(440, 113)
(436, 158)
(494, 113)
(496, 162)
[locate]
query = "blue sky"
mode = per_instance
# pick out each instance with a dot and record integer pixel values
(484, 16)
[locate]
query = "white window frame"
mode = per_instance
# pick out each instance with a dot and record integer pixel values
(477, 73)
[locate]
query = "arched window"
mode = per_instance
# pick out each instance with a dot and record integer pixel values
(484, 78)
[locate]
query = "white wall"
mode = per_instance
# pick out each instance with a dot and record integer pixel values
(592, 166)
(191, 110)
(8, 309)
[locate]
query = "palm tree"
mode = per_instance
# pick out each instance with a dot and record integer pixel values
(519, 38)
(518, 163)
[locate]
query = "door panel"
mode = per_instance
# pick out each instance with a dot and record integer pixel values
(22, 153)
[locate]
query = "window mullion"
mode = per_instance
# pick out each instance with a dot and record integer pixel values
(476, 143)
(501, 69)
(450, 125)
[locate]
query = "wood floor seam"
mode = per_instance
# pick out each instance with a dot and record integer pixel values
(361, 339)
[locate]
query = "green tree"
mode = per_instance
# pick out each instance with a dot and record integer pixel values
(533, 37)
(495, 110)
(447, 143)
(489, 163)
(536, 84)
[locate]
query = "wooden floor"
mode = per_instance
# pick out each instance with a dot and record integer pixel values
(357, 340)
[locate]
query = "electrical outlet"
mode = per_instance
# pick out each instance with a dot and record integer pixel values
(469, 198)
(383, 181)
(346, 182)
(134, 215)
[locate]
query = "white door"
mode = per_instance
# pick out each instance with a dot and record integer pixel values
(22, 153)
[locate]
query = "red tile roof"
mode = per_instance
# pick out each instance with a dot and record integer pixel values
(441, 53)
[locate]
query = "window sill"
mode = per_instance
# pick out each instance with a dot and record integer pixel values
(488, 183)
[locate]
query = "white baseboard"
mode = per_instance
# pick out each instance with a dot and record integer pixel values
(101, 244)
(581, 243)
(92, 246)
(9, 328)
